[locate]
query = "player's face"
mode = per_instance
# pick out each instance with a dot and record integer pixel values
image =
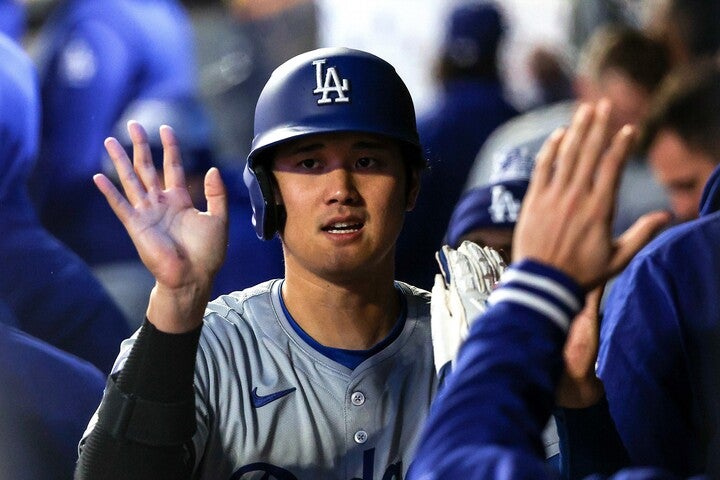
(630, 101)
(345, 195)
(499, 239)
(683, 172)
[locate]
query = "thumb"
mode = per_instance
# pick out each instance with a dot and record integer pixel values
(216, 194)
(636, 237)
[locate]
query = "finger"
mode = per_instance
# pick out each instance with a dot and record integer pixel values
(216, 194)
(131, 184)
(593, 146)
(592, 299)
(544, 161)
(142, 157)
(636, 237)
(123, 210)
(172, 160)
(570, 146)
(610, 171)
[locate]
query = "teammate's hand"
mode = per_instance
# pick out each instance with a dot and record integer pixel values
(567, 214)
(181, 246)
(579, 387)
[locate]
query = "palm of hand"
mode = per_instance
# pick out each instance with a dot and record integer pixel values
(176, 242)
(181, 246)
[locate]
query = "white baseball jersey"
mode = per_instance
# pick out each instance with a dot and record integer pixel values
(269, 405)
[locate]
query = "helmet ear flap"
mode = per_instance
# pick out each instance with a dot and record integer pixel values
(268, 216)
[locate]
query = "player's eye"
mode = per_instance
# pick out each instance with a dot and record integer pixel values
(366, 162)
(309, 164)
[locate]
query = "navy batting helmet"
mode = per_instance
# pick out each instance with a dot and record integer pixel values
(321, 91)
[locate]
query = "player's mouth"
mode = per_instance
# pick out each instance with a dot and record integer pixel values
(343, 227)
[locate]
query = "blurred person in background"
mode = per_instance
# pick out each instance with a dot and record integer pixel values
(13, 19)
(51, 292)
(470, 105)
(241, 43)
(46, 399)
(682, 135)
(94, 60)
(619, 63)
(487, 214)
(689, 27)
(658, 357)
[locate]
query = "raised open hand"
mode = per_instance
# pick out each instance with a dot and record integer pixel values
(181, 246)
(566, 219)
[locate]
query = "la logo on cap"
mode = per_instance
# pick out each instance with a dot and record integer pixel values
(504, 207)
(331, 84)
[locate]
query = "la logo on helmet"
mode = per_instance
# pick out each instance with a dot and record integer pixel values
(332, 84)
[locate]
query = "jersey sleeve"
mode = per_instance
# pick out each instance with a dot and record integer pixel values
(139, 430)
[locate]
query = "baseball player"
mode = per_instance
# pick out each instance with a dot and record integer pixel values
(50, 291)
(487, 420)
(659, 354)
(94, 59)
(327, 373)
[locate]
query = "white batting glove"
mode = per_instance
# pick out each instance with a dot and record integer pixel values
(459, 295)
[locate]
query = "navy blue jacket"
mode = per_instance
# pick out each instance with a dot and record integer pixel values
(659, 355)
(486, 422)
(50, 291)
(95, 58)
(46, 400)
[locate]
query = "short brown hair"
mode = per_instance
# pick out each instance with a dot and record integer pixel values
(629, 51)
(688, 104)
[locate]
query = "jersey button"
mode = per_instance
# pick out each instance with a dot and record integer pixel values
(360, 436)
(357, 398)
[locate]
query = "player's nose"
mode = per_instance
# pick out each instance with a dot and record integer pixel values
(341, 187)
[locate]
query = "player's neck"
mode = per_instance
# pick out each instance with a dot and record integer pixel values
(350, 316)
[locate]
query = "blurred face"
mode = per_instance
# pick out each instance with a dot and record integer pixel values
(681, 171)
(499, 239)
(345, 195)
(630, 102)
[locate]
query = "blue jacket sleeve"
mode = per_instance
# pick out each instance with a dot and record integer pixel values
(486, 423)
(488, 419)
(46, 399)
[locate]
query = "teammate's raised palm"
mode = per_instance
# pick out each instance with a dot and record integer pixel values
(181, 246)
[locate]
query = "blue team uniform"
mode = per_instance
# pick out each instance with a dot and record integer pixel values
(659, 349)
(95, 58)
(46, 399)
(451, 134)
(50, 291)
(12, 19)
(486, 422)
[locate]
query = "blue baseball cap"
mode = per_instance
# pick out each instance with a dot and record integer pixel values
(496, 204)
(473, 32)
